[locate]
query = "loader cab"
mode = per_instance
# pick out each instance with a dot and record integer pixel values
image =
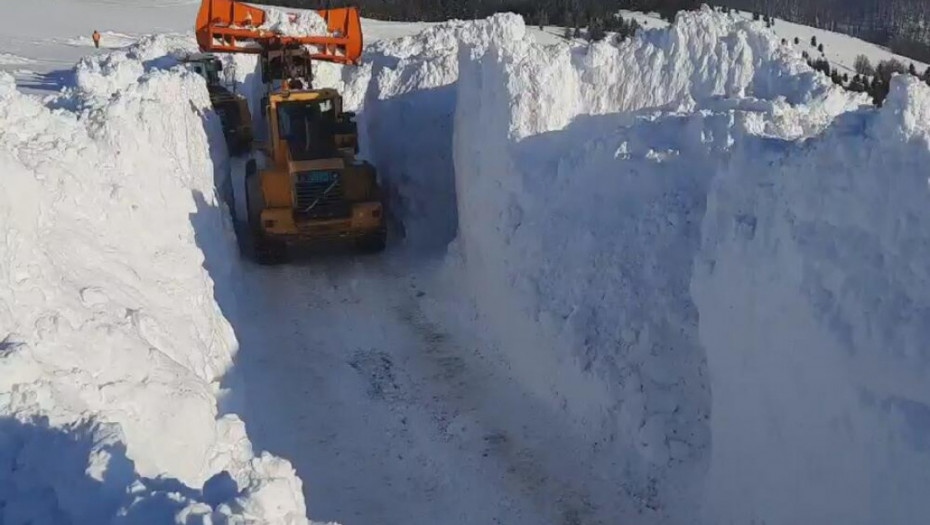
(308, 128)
(207, 66)
(313, 176)
(310, 125)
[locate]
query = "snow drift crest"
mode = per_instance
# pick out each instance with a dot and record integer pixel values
(111, 337)
(534, 135)
(621, 208)
(813, 295)
(599, 192)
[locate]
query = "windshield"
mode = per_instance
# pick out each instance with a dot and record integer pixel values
(308, 128)
(209, 71)
(213, 75)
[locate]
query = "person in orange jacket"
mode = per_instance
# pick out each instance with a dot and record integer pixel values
(96, 37)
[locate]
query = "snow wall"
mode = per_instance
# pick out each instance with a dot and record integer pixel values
(698, 251)
(813, 289)
(693, 249)
(649, 219)
(111, 340)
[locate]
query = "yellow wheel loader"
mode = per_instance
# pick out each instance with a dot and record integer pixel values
(308, 188)
(313, 190)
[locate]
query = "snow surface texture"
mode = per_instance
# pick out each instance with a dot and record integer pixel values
(8, 59)
(409, 83)
(814, 301)
(593, 341)
(110, 332)
(584, 231)
(296, 23)
(585, 183)
(701, 258)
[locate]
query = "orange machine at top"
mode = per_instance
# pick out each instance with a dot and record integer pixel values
(234, 27)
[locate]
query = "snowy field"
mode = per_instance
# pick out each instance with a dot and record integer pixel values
(839, 49)
(680, 279)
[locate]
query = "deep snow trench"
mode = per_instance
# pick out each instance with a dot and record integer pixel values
(677, 279)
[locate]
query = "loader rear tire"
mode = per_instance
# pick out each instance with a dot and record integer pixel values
(263, 251)
(373, 243)
(268, 253)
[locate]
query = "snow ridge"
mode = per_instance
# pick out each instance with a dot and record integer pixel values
(599, 192)
(699, 255)
(110, 331)
(581, 179)
(813, 291)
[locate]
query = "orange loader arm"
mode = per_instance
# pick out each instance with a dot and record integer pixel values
(228, 26)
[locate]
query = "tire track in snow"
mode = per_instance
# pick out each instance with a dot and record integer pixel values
(390, 418)
(472, 386)
(330, 377)
(385, 416)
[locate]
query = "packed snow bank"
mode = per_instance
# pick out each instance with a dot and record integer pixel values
(701, 59)
(581, 180)
(706, 61)
(111, 342)
(626, 211)
(594, 187)
(8, 59)
(575, 178)
(814, 294)
(298, 22)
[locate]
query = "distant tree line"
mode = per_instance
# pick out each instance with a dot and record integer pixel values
(567, 13)
(875, 81)
(901, 25)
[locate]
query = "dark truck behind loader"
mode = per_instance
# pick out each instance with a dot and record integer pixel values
(232, 108)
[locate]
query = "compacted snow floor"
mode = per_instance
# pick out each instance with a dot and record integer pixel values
(388, 416)
(677, 279)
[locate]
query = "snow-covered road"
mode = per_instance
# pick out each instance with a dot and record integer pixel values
(388, 417)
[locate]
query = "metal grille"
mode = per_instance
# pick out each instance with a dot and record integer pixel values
(319, 197)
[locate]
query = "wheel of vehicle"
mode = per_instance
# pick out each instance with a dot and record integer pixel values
(263, 250)
(373, 243)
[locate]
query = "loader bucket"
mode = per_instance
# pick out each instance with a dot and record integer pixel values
(224, 13)
(230, 26)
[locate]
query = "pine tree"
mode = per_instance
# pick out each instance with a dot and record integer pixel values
(820, 48)
(596, 30)
(887, 68)
(813, 41)
(912, 70)
(863, 66)
(633, 27)
(797, 41)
